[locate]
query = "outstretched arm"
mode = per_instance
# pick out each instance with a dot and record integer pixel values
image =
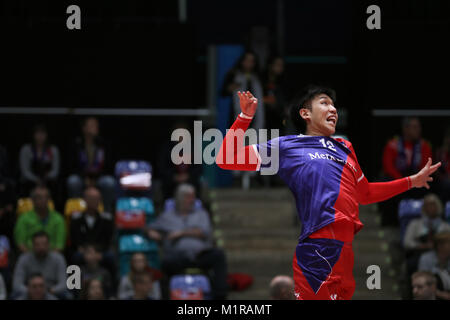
(379, 191)
(232, 154)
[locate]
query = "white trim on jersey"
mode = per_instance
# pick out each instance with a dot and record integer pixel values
(259, 157)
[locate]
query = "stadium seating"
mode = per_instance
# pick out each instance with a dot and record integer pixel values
(134, 210)
(26, 204)
(169, 204)
(190, 287)
(131, 243)
(134, 175)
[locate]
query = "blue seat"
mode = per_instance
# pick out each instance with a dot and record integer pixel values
(137, 204)
(408, 209)
(131, 243)
(187, 287)
(134, 175)
(169, 204)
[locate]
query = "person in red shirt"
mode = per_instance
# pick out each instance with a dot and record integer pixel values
(406, 155)
(402, 156)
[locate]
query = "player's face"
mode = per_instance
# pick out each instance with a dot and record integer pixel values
(322, 117)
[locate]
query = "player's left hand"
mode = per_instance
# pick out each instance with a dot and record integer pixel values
(421, 179)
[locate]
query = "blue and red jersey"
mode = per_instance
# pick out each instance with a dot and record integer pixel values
(322, 172)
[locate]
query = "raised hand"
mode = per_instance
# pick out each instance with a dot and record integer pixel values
(248, 103)
(421, 179)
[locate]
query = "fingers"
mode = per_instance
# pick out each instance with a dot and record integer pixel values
(430, 179)
(427, 185)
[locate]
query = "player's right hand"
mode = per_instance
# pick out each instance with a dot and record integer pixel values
(248, 103)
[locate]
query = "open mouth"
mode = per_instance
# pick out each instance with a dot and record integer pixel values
(332, 119)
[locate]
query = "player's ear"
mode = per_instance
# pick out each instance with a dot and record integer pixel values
(305, 113)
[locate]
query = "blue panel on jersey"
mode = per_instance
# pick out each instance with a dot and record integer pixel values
(316, 258)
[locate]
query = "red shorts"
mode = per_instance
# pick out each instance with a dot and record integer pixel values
(323, 264)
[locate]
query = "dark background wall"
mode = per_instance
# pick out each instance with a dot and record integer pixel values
(136, 54)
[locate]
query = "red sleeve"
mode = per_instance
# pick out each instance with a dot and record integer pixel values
(389, 156)
(232, 154)
(367, 192)
(372, 192)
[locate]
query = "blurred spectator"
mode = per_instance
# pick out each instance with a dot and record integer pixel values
(172, 174)
(282, 288)
(244, 77)
(40, 218)
(186, 235)
(423, 285)
(437, 262)
(142, 286)
(92, 269)
(39, 163)
(275, 100)
(420, 232)
(3, 294)
(92, 289)
(90, 164)
(36, 289)
(138, 265)
(408, 154)
(404, 156)
(7, 197)
(442, 184)
(93, 227)
(41, 260)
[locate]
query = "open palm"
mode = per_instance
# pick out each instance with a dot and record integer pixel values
(248, 103)
(421, 179)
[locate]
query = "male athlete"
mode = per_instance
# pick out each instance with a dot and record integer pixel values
(328, 184)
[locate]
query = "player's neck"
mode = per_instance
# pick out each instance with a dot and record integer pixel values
(312, 132)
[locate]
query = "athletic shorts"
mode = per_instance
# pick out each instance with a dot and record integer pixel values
(323, 264)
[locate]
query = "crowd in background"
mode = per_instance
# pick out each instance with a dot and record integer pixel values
(36, 246)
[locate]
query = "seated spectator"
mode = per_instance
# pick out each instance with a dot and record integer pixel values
(39, 163)
(40, 218)
(2, 288)
(423, 286)
(90, 164)
(404, 156)
(420, 232)
(172, 175)
(142, 287)
(437, 261)
(50, 264)
(92, 226)
(443, 174)
(92, 289)
(186, 236)
(282, 288)
(138, 265)
(36, 289)
(92, 269)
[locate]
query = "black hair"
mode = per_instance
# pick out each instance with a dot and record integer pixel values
(238, 65)
(303, 100)
(39, 127)
(39, 234)
(93, 245)
(32, 276)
